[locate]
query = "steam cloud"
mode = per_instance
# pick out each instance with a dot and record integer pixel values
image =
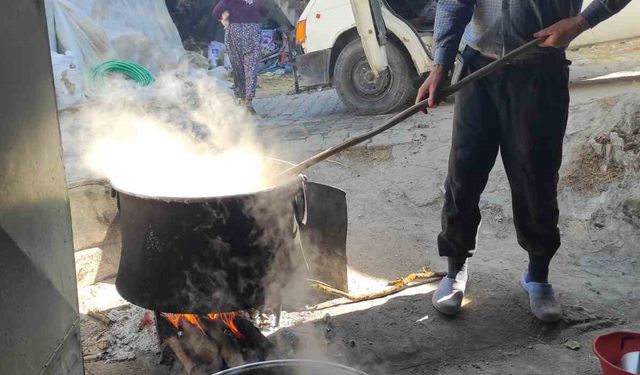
(181, 137)
(184, 137)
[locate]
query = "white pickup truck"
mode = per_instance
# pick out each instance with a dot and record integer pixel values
(376, 63)
(376, 52)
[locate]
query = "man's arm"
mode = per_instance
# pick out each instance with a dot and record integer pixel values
(600, 10)
(452, 17)
(563, 32)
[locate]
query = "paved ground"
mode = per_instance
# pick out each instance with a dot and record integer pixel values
(311, 106)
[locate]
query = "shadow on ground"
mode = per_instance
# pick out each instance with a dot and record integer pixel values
(406, 335)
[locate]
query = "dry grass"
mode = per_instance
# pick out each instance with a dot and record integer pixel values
(587, 175)
(373, 155)
(274, 85)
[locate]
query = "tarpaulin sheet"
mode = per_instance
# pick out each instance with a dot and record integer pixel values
(99, 30)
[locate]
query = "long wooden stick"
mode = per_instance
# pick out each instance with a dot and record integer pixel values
(395, 120)
(396, 286)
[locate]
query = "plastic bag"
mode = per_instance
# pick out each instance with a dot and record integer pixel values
(215, 52)
(67, 80)
(267, 42)
(137, 30)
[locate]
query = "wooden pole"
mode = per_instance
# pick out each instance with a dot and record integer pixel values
(398, 118)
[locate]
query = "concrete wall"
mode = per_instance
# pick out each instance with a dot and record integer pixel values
(38, 299)
(621, 26)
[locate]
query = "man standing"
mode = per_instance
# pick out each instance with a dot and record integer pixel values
(520, 110)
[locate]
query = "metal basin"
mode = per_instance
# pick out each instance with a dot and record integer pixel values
(291, 367)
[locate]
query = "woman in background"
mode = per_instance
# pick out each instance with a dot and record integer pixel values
(242, 40)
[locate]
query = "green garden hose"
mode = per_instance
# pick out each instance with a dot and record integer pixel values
(132, 70)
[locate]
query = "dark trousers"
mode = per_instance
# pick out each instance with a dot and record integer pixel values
(522, 111)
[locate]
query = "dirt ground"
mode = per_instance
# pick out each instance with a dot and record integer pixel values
(394, 193)
(604, 58)
(394, 205)
(271, 84)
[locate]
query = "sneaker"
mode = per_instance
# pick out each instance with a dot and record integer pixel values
(542, 300)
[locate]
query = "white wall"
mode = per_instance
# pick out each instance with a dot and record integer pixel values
(625, 24)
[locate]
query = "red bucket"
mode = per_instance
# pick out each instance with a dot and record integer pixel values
(610, 347)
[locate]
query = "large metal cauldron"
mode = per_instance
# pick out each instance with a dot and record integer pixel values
(204, 255)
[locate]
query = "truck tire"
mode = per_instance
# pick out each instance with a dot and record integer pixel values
(362, 92)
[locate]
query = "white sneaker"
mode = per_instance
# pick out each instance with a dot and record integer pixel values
(447, 299)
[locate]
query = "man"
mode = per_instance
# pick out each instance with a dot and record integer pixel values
(520, 110)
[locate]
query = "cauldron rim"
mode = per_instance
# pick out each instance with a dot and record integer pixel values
(288, 182)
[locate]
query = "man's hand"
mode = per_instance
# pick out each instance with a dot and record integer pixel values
(428, 89)
(561, 33)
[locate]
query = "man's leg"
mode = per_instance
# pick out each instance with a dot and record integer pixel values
(533, 123)
(474, 148)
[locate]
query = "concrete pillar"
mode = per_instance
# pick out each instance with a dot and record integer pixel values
(38, 298)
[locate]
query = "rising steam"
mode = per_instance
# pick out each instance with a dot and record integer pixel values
(178, 138)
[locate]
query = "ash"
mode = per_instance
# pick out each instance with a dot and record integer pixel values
(131, 333)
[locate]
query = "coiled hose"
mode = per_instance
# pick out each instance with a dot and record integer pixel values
(135, 71)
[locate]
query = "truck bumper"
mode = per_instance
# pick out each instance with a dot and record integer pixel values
(313, 68)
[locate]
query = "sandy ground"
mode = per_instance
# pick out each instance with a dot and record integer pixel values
(605, 58)
(394, 198)
(394, 192)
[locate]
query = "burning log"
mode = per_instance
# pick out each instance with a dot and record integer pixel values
(203, 344)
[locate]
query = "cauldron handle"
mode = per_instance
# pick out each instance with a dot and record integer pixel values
(300, 201)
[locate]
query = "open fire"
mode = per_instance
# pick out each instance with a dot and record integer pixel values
(208, 343)
(228, 319)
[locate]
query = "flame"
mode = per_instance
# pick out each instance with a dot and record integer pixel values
(228, 320)
(193, 319)
(175, 319)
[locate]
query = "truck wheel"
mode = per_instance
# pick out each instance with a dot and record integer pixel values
(362, 92)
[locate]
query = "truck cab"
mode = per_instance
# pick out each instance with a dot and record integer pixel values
(373, 52)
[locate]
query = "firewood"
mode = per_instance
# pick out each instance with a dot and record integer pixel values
(396, 286)
(99, 316)
(91, 358)
(201, 348)
(180, 354)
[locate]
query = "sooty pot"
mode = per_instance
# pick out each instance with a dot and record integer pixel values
(209, 254)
